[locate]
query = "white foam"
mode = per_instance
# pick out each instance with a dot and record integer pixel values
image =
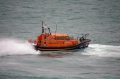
(103, 50)
(15, 47)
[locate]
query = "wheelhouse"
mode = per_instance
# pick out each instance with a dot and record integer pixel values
(49, 40)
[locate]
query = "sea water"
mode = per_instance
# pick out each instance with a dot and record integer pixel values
(20, 20)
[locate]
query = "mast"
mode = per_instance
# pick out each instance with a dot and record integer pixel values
(42, 26)
(45, 27)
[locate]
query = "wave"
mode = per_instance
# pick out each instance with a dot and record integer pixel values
(102, 50)
(15, 47)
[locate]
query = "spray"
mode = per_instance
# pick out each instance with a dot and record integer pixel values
(15, 47)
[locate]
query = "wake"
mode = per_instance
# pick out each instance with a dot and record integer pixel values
(102, 50)
(15, 47)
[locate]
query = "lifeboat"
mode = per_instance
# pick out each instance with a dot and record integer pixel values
(48, 41)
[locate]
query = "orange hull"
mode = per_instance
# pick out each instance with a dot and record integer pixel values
(83, 44)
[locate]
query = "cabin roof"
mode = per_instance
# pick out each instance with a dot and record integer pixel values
(59, 34)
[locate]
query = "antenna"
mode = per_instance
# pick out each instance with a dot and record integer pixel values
(56, 24)
(42, 22)
(56, 29)
(42, 26)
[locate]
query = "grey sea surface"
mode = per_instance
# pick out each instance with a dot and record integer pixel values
(20, 20)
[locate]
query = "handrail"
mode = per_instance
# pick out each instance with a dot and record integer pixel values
(82, 37)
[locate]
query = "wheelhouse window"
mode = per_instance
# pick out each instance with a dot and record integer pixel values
(56, 38)
(67, 38)
(62, 38)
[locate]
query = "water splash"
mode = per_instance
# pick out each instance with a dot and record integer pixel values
(103, 50)
(15, 47)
